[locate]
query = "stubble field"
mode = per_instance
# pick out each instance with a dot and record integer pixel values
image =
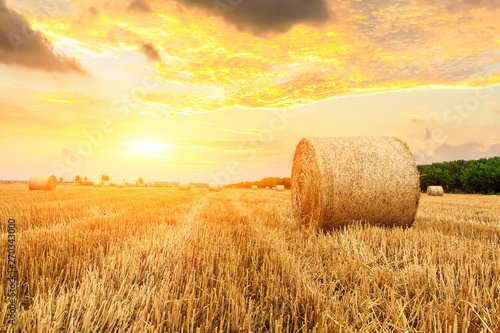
(164, 260)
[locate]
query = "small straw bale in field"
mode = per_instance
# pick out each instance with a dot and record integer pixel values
(267, 187)
(42, 182)
(336, 181)
(98, 184)
(273, 188)
(121, 185)
(435, 191)
(214, 187)
(106, 184)
(254, 187)
(184, 186)
(150, 184)
(234, 187)
(280, 188)
(192, 186)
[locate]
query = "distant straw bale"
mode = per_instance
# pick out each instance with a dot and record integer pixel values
(42, 182)
(214, 187)
(435, 191)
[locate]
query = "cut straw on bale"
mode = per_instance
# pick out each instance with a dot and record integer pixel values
(435, 191)
(336, 181)
(280, 188)
(42, 182)
(254, 187)
(214, 187)
(184, 186)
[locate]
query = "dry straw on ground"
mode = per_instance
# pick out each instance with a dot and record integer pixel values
(336, 181)
(184, 186)
(280, 188)
(42, 182)
(214, 187)
(435, 191)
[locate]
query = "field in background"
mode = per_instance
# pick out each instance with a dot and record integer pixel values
(160, 259)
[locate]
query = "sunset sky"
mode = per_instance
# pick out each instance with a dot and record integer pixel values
(205, 90)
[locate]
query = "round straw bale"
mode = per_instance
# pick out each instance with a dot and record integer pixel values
(267, 187)
(280, 188)
(42, 182)
(435, 191)
(336, 181)
(214, 187)
(254, 187)
(234, 187)
(184, 186)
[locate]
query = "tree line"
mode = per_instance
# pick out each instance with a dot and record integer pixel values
(265, 182)
(480, 176)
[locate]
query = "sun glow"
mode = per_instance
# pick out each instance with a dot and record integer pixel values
(145, 147)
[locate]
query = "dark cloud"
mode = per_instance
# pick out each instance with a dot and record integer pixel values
(94, 11)
(21, 45)
(264, 16)
(428, 134)
(150, 52)
(139, 6)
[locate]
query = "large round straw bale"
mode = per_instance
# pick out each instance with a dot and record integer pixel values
(280, 188)
(214, 187)
(336, 181)
(184, 186)
(254, 187)
(435, 191)
(42, 182)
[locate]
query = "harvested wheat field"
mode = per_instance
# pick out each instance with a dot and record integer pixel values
(163, 260)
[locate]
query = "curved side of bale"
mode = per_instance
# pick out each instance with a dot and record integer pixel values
(280, 188)
(336, 181)
(435, 191)
(214, 187)
(42, 182)
(186, 186)
(254, 187)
